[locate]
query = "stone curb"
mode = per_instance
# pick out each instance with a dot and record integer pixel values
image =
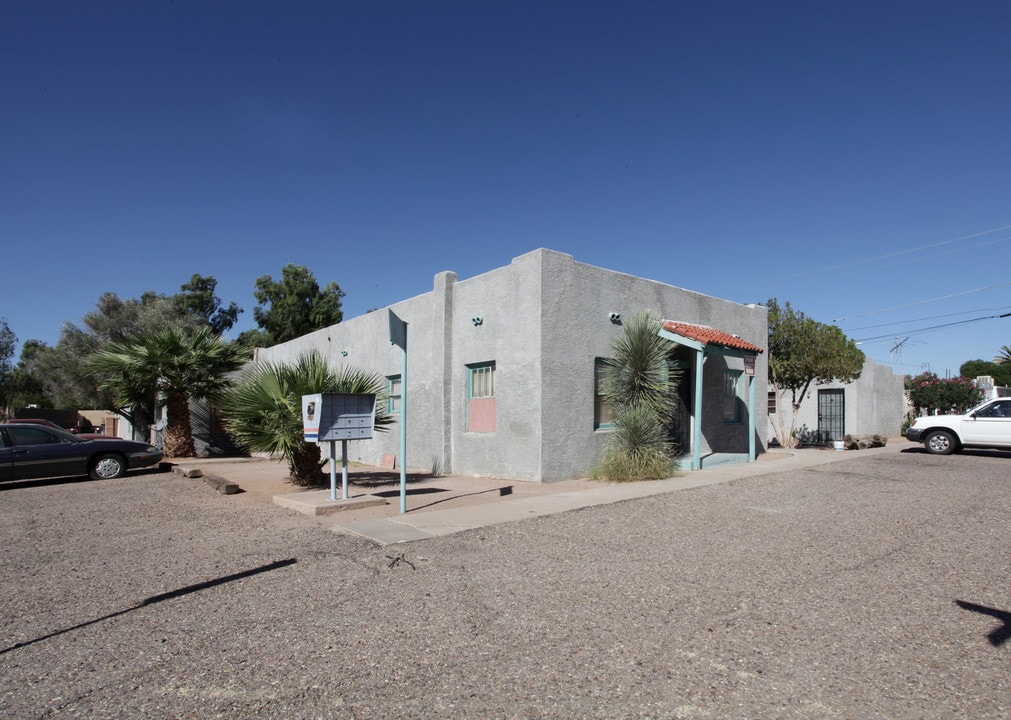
(223, 486)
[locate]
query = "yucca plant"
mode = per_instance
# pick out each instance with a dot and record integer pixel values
(263, 410)
(640, 384)
(638, 450)
(638, 372)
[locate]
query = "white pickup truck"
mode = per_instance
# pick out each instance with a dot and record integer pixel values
(985, 426)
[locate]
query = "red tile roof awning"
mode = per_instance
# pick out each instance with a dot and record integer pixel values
(708, 335)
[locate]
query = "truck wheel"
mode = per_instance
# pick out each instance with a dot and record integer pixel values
(107, 467)
(940, 442)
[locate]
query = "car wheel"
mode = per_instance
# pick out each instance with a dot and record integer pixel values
(940, 442)
(107, 467)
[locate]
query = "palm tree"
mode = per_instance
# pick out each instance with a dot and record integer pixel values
(640, 385)
(1004, 356)
(263, 410)
(168, 368)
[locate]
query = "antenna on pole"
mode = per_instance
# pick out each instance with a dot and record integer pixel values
(898, 346)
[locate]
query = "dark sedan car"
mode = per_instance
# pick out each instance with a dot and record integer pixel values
(36, 451)
(47, 423)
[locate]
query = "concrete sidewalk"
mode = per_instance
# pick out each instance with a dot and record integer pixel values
(414, 526)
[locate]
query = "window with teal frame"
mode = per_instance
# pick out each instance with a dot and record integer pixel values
(394, 395)
(732, 396)
(481, 398)
(481, 381)
(603, 417)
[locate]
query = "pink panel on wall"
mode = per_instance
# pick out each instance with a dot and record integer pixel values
(482, 415)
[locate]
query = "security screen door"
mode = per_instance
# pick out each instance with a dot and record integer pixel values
(831, 415)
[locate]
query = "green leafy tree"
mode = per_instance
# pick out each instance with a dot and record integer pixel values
(8, 341)
(61, 375)
(803, 352)
(24, 384)
(115, 319)
(198, 300)
(263, 410)
(640, 385)
(26, 387)
(930, 394)
(1000, 372)
(63, 370)
(292, 307)
(169, 367)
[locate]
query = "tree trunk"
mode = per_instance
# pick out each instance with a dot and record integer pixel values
(304, 466)
(177, 440)
(785, 434)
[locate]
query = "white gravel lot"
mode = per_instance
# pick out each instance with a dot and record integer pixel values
(875, 587)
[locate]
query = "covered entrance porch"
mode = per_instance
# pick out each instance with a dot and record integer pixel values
(720, 377)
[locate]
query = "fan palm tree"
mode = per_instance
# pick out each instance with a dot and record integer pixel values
(169, 367)
(1004, 356)
(640, 385)
(263, 410)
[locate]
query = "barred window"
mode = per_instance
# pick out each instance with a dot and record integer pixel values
(603, 417)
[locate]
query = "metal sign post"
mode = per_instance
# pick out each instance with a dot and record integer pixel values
(333, 472)
(398, 337)
(344, 467)
(333, 469)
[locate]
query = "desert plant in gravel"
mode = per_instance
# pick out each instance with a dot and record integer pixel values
(263, 410)
(638, 450)
(640, 385)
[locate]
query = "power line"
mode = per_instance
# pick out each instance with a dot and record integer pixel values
(925, 257)
(931, 317)
(932, 328)
(897, 253)
(922, 302)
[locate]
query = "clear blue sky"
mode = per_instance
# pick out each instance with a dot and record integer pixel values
(848, 157)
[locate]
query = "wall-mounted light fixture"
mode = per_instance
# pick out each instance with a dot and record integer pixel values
(615, 318)
(477, 320)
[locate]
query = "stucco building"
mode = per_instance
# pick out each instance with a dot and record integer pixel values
(502, 368)
(873, 404)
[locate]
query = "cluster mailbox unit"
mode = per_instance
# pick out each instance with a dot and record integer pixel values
(329, 417)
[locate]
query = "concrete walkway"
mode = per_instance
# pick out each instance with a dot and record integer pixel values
(413, 526)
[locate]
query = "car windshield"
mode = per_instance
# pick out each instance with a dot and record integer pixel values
(993, 408)
(24, 434)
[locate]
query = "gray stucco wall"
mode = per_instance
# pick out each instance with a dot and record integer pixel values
(874, 404)
(544, 321)
(576, 308)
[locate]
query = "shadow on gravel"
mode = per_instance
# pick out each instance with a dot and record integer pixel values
(1000, 634)
(46, 482)
(160, 598)
(971, 452)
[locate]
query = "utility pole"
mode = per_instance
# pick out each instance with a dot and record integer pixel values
(902, 362)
